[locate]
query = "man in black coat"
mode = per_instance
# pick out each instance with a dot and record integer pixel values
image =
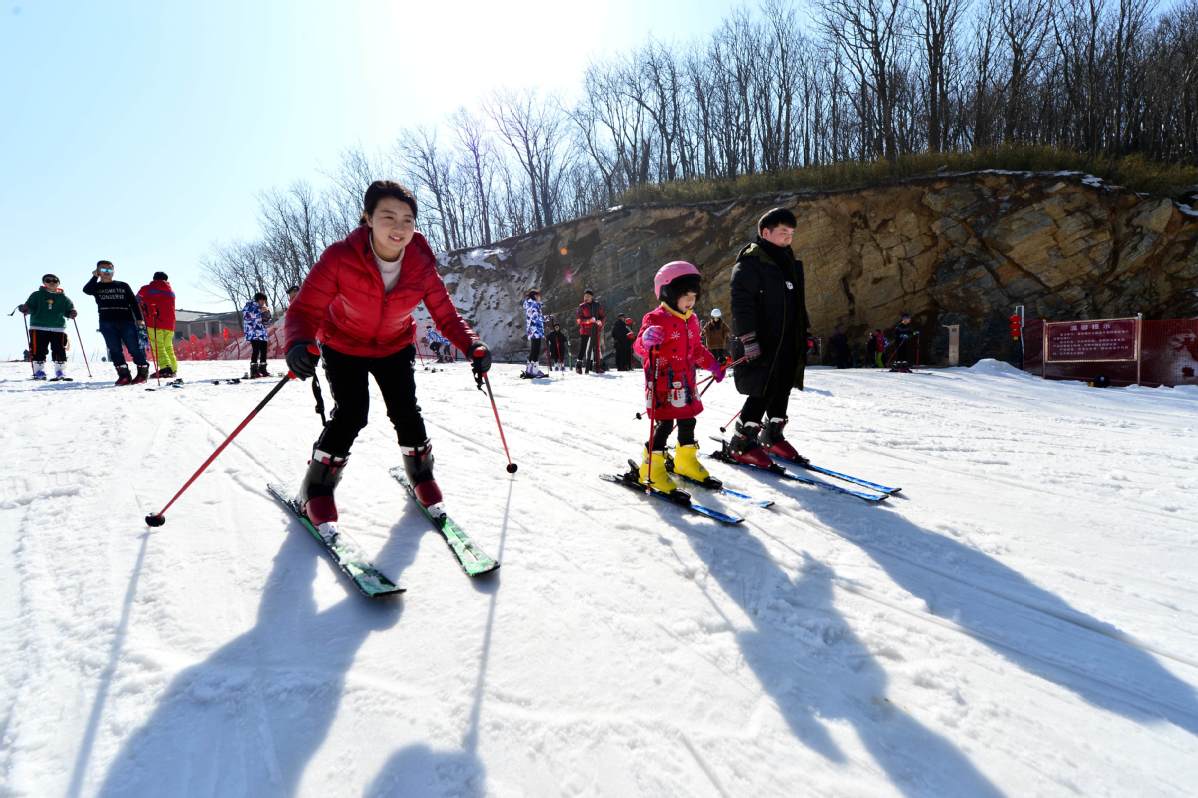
(622, 336)
(770, 322)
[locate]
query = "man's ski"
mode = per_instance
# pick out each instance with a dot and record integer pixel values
(865, 483)
(175, 383)
(809, 466)
(631, 479)
(343, 551)
(873, 497)
(474, 561)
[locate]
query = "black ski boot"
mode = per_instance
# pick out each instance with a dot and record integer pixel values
(122, 375)
(316, 493)
(745, 446)
(774, 442)
(143, 373)
(418, 465)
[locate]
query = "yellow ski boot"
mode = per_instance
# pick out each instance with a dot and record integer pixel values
(686, 463)
(661, 480)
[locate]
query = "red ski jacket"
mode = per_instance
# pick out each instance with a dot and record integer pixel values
(158, 304)
(344, 305)
(675, 394)
(589, 313)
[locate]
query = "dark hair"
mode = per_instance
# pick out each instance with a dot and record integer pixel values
(385, 188)
(777, 216)
(100, 263)
(259, 295)
(49, 278)
(679, 287)
(294, 288)
(586, 291)
(160, 276)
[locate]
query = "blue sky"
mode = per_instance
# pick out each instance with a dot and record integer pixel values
(142, 132)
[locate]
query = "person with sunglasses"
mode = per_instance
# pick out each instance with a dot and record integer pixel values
(48, 309)
(121, 321)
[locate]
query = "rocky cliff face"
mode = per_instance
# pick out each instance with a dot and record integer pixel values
(954, 249)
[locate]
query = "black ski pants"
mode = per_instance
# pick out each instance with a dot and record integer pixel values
(45, 340)
(534, 349)
(258, 351)
(774, 402)
(663, 428)
(348, 378)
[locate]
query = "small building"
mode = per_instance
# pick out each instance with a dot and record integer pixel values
(202, 324)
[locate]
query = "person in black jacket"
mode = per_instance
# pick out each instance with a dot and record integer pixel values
(622, 336)
(904, 333)
(770, 322)
(121, 321)
(558, 346)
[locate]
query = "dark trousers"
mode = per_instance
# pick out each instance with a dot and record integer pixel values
(45, 340)
(117, 333)
(663, 428)
(348, 379)
(776, 398)
(623, 355)
(258, 351)
(534, 349)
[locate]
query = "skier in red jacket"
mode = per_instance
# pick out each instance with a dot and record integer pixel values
(357, 302)
(671, 345)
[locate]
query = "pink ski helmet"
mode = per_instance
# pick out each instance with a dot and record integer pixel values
(671, 272)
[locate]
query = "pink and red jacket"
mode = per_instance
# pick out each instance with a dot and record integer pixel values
(674, 393)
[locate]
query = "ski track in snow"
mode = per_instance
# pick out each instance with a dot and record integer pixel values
(1025, 603)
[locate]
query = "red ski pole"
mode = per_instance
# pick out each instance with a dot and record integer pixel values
(709, 381)
(484, 380)
(728, 423)
(652, 421)
(159, 518)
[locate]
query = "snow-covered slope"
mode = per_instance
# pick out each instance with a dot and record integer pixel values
(1021, 621)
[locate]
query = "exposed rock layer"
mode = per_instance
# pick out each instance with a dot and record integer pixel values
(954, 249)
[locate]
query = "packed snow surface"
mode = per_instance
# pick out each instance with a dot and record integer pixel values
(1019, 621)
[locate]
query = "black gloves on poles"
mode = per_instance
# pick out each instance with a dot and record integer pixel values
(301, 360)
(480, 357)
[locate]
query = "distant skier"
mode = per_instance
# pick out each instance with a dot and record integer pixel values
(440, 346)
(590, 316)
(838, 349)
(121, 321)
(48, 309)
(534, 328)
(769, 317)
(158, 306)
(875, 347)
(904, 340)
(558, 345)
(715, 335)
(671, 345)
(357, 302)
(622, 337)
(254, 318)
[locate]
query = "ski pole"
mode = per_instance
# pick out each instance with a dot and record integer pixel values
(159, 518)
(482, 380)
(82, 348)
(711, 380)
(154, 350)
(652, 421)
(728, 423)
(28, 342)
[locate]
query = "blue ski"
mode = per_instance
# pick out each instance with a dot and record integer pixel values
(870, 496)
(678, 498)
(865, 483)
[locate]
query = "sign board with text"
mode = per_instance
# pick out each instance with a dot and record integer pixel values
(1101, 341)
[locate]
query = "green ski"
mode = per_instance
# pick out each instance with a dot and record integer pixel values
(474, 561)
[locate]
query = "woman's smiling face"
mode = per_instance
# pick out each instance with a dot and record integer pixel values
(391, 227)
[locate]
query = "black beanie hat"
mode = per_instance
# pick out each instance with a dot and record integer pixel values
(160, 276)
(48, 277)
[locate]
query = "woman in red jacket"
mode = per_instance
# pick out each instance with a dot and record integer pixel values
(671, 345)
(357, 302)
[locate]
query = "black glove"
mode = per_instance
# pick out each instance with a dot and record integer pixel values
(302, 361)
(24, 309)
(752, 348)
(72, 313)
(480, 356)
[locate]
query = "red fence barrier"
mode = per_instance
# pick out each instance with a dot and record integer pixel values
(233, 346)
(1124, 351)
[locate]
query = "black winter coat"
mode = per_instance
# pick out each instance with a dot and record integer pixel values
(769, 299)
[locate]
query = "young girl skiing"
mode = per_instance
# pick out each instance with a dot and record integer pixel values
(357, 302)
(671, 345)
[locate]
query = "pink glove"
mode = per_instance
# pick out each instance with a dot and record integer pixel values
(653, 336)
(718, 371)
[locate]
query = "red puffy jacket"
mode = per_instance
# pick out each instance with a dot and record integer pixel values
(675, 394)
(158, 304)
(343, 303)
